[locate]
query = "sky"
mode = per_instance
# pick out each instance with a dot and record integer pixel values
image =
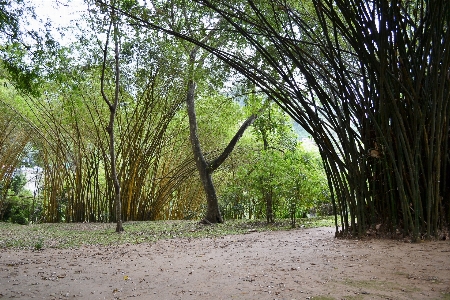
(61, 13)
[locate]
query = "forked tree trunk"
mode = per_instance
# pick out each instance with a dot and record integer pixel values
(204, 167)
(212, 212)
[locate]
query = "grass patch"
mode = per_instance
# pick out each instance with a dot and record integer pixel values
(74, 235)
(379, 285)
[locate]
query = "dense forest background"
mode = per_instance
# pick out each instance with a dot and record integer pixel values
(55, 124)
(105, 107)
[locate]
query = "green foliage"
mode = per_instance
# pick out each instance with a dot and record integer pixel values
(128, 4)
(24, 78)
(29, 54)
(218, 120)
(16, 208)
(10, 12)
(39, 244)
(295, 178)
(273, 127)
(18, 182)
(276, 171)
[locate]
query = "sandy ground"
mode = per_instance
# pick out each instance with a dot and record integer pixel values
(298, 264)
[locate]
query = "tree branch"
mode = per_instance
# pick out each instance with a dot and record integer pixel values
(229, 148)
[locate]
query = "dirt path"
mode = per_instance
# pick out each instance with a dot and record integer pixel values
(299, 264)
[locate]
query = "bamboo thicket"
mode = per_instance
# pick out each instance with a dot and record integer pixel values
(370, 81)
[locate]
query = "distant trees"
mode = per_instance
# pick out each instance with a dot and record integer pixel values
(276, 177)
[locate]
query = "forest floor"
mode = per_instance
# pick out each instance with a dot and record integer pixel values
(294, 264)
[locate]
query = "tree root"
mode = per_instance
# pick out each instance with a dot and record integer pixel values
(205, 222)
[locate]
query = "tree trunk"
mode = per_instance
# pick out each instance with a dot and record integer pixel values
(212, 212)
(267, 190)
(116, 184)
(112, 114)
(204, 167)
(269, 205)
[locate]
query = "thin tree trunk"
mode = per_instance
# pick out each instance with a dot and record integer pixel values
(112, 114)
(269, 205)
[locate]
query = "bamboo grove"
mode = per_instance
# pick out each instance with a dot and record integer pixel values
(12, 143)
(370, 80)
(156, 167)
(75, 153)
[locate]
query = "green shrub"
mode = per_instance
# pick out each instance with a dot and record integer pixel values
(17, 183)
(16, 208)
